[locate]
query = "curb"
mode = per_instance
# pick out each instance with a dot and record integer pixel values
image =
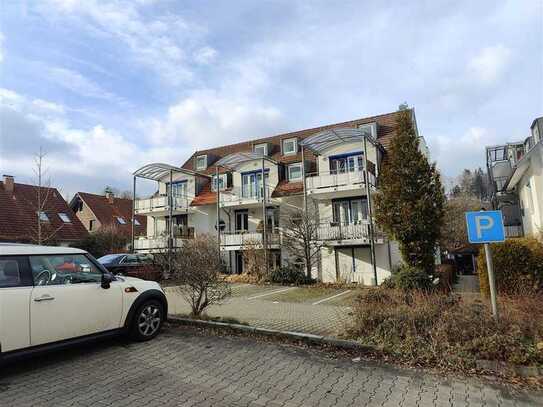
(298, 336)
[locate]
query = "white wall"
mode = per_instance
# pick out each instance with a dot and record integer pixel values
(256, 165)
(323, 163)
(532, 198)
(191, 183)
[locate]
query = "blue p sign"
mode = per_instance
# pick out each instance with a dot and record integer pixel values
(485, 227)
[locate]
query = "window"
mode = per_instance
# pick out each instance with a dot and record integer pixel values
(130, 259)
(350, 162)
(290, 146)
(201, 162)
(10, 274)
(121, 220)
(222, 182)
(242, 221)
(137, 222)
(91, 224)
(261, 149)
(43, 216)
(64, 217)
(251, 184)
(64, 269)
(349, 211)
(295, 172)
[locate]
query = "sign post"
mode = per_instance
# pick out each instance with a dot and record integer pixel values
(487, 227)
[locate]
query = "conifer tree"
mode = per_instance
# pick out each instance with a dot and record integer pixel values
(410, 203)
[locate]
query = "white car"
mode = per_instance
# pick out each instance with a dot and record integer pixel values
(51, 296)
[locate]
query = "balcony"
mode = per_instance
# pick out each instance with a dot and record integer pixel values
(239, 240)
(159, 205)
(246, 196)
(153, 244)
(513, 231)
(338, 234)
(328, 184)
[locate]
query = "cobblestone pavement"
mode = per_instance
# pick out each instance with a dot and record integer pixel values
(183, 367)
(299, 317)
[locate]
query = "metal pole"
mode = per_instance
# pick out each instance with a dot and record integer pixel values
(170, 221)
(264, 218)
(491, 281)
(303, 177)
(133, 211)
(218, 210)
(370, 214)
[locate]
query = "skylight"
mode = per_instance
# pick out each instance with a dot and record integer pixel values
(64, 217)
(121, 220)
(43, 216)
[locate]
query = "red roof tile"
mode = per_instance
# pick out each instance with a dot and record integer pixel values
(287, 188)
(107, 212)
(18, 215)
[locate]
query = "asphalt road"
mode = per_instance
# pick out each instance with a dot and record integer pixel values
(188, 368)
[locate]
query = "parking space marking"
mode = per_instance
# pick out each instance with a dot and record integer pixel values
(330, 298)
(271, 292)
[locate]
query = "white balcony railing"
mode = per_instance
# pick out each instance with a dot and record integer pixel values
(248, 238)
(347, 231)
(156, 243)
(160, 203)
(245, 194)
(332, 179)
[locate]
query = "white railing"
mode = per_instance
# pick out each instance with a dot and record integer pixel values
(160, 203)
(243, 238)
(244, 194)
(329, 179)
(155, 243)
(347, 231)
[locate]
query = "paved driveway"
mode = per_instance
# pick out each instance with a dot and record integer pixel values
(186, 368)
(276, 307)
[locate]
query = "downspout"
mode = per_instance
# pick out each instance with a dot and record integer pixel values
(218, 209)
(133, 211)
(264, 221)
(170, 213)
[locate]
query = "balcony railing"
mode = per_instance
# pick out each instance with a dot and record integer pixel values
(248, 238)
(156, 243)
(513, 231)
(332, 179)
(347, 231)
(245, 194)
(160, 203)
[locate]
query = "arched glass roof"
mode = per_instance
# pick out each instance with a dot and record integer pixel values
(332, 137)
(157, 171)
(236, 159)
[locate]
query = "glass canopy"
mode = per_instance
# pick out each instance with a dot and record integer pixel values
(236, 159)
(333, 137)
(157, 171)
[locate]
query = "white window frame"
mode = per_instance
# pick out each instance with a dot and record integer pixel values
(223, 184)
(64, 217)
(261, 145)
(286, 140)
(42, 216)
(295, 165)
(199, 157)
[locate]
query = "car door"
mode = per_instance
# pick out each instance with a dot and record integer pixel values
(68, 301)
(15, 290)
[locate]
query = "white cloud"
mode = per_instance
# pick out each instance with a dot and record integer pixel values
(48, 106)
(205, 55)
(490, 63)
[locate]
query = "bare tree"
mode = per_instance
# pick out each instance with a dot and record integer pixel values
(300, 235)
(197, 266)
(453, 233)
(254, 259)
(42, 232)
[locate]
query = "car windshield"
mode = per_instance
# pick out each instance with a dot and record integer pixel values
(110, 258)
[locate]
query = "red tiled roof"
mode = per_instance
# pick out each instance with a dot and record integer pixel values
(385, 132)
(107, 212)
(18, 215)
(206, 196)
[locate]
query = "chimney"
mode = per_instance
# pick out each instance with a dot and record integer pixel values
(8, 183)
(110, 196)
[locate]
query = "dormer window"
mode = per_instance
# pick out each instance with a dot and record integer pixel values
(222, 182)
(261, 149)
(290, 146)
(295, 172)
(201, 162)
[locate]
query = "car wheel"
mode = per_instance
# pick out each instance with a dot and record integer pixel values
(147, 321)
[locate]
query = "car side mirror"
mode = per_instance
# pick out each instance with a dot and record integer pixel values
(107, 278)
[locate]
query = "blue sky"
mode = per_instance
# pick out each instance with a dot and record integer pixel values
(105, 87)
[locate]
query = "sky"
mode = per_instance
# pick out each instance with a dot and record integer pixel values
(106, 87)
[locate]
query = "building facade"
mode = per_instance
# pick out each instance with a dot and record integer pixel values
(248, 189)
(516, 175)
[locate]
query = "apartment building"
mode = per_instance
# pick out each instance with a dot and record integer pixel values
(516, 173)
(248, 187)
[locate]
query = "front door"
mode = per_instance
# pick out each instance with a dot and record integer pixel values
(242, 221)
(67, 300)
(239, 262)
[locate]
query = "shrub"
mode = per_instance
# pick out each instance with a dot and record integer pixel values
(447, 277)
(409, 278)
(518, 267)
(106, 240)
(436, 329)
(289, 275)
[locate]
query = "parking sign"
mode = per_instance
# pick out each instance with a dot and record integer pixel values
(485, 227)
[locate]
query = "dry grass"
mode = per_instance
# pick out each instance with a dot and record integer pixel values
(443, 331)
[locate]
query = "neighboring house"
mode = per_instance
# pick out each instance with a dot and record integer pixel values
(97, 211)
(20, 213)
(326, 165)
(516, 176)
